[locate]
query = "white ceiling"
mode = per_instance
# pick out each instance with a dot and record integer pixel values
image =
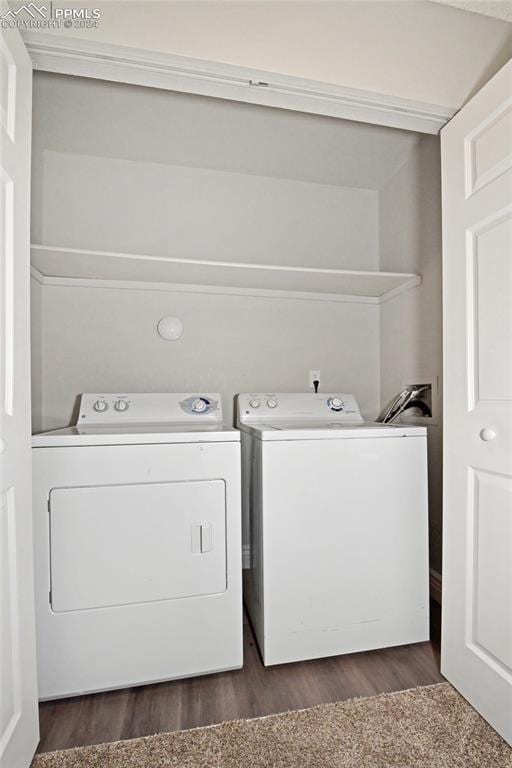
(496, 9)
(413, 49)
(104, 119)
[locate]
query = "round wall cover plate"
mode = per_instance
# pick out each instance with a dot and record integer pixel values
(170, 328)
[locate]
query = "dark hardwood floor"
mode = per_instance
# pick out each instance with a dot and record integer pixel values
(249, 692)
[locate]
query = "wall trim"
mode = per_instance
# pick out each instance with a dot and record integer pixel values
(86, 58)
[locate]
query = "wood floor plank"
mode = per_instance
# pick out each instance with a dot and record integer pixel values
(252, 691)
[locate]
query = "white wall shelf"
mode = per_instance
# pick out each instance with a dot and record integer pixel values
(70, 266)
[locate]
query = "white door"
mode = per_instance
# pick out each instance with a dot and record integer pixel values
(477, 266)
(18, 699)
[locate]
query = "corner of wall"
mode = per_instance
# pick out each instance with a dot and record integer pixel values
(36, 346)
(410, 325)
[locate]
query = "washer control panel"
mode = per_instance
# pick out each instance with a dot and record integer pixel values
(149, 408)
(318, 407)
(264, 400)
(199, 405)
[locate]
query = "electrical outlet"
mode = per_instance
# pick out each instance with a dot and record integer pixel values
(313, 376)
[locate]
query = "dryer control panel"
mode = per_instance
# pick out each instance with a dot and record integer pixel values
(258, 407)
(149, 408)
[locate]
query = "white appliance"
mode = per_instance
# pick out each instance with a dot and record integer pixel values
(335, 511)
(137, 543)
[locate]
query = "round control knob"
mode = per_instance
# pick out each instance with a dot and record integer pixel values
(121, 405)
(272, 403)
(254, 403)
(335, 404)
(100, 406)
(199, 405)
(487, 434)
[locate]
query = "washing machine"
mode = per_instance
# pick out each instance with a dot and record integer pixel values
(137, 519)
(336, 526)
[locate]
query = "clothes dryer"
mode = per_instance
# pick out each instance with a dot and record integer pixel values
(137, 543)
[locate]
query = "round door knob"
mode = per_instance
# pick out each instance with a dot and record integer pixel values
(255, 403)
(272, 403)
(487, 434)
(199, 405)
(121, 405)
(100, 405)
(2, 445)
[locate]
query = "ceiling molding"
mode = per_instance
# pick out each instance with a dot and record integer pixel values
(154, 69)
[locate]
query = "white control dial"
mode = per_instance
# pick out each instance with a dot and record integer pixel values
(254, 403)
(272, 403)
(121, 405)
(100, 406)
(199, 405)
(335, 404)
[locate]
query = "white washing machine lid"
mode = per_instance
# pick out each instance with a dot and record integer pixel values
(335, 430)
(135, 434)
(307, 416)
(141, 418)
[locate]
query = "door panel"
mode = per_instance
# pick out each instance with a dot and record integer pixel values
(10, 711)
(489, 292)
(128, 544)
(6, 256)
(490, 620)
(477, 284)
(7, 87)
(488, 151)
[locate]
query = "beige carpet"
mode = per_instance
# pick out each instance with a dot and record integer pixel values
(429, 727)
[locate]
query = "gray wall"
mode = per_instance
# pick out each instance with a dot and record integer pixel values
(127, 206)
(126, 169)
(139, 170)
(100, 339)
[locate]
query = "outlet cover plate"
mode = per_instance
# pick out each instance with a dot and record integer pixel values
(313, 376)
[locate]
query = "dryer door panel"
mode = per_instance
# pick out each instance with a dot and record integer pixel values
(125, 544)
